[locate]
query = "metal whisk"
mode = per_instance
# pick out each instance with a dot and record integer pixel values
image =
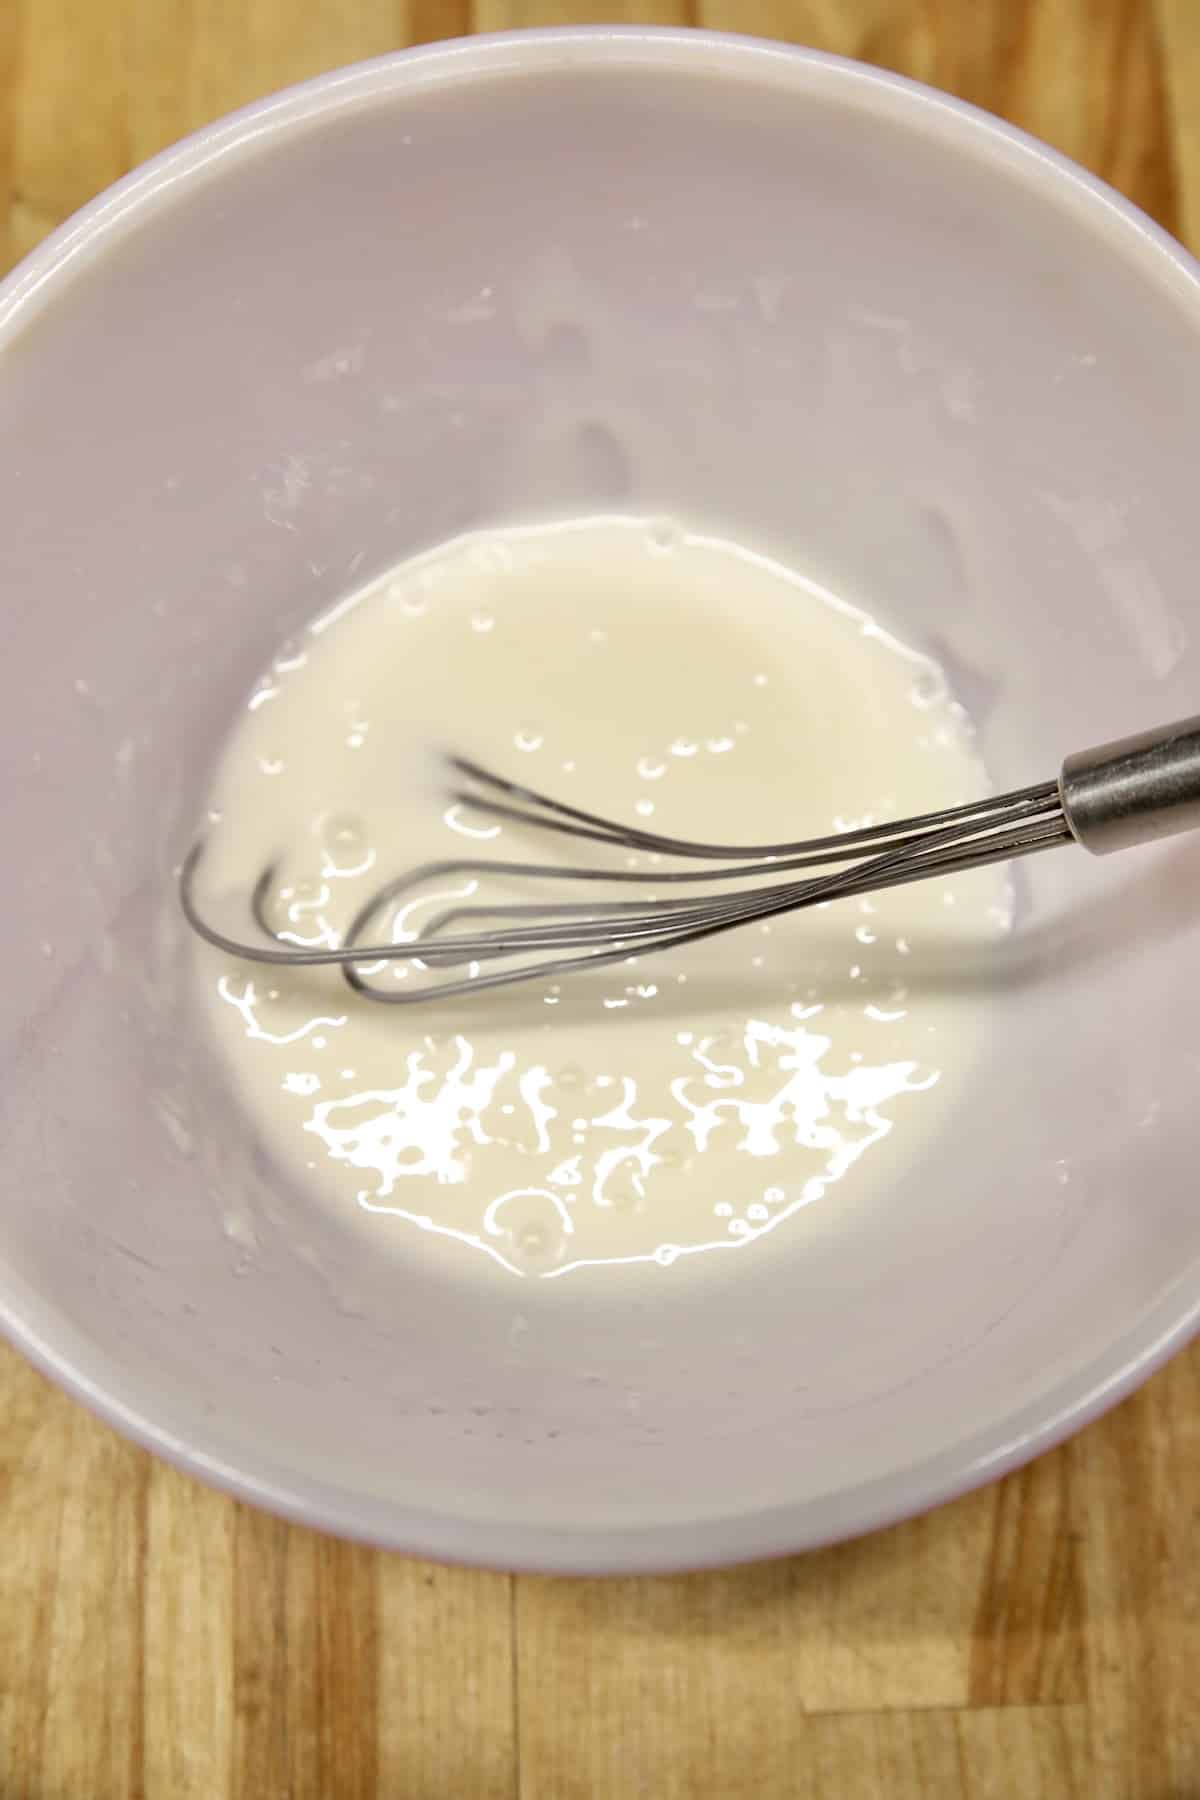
(1121, 794)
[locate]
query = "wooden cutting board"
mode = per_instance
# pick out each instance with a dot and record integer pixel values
(1040, 1638)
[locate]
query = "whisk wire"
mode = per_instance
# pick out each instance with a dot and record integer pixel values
(566, 936)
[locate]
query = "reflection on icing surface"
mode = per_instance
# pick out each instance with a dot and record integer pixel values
(677, 1105)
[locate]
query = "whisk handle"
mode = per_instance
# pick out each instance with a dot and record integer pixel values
(1135, 790)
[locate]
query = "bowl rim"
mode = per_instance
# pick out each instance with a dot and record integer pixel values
(1164, 1327)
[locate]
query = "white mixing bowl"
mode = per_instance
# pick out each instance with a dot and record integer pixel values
(855, 323)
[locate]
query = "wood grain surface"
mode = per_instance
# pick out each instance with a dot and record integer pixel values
(1039, 1638)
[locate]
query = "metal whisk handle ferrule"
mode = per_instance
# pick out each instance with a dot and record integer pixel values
(1134, 790)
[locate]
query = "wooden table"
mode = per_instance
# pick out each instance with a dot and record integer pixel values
(1041, 1638)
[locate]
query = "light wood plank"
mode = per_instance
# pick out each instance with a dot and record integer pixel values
(1038, 1753)
(305, 1663)
(514, 15)
(73, 1549)
(1028, 1634)
(678, 1687)
(67, 114)
(11, 24)
(188, 1638)
(1179, 40)
(1141, 1469)
(356, 1674)
(447, 1722)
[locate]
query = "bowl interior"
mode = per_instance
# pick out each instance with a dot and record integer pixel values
(790, 299)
